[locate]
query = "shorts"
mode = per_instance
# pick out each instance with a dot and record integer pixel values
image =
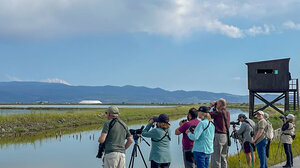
(114, 160)
(247, 148)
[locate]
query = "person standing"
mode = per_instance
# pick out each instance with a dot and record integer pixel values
(160, 155)
(203, 138)
(187, 144)
(222, 139)
(287, 137)
(260, 140)
(246, 133)
(113, 135)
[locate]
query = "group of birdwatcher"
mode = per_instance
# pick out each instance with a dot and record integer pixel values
(205, 136)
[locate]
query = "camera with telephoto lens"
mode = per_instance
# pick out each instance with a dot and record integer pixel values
(134, 132)
(234, 124)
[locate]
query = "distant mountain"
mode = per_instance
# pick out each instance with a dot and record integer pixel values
(31, 92)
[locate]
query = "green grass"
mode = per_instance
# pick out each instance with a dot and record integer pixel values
(30, 123)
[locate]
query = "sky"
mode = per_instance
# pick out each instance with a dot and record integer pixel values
(171, 44)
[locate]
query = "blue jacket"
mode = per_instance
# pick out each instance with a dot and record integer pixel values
(203, 140)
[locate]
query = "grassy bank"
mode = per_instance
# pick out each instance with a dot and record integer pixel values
(34, 123)
(277, 154)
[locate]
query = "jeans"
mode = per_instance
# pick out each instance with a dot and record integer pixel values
(201, 159)
(261, 150)
(289, 154)
(159, 165)
(188, 159)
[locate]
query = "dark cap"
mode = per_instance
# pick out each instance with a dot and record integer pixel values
(155, 118)
(164, 118)
(242, 115)
(203, 109)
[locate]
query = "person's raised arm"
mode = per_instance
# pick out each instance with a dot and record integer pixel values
(147, 133)
(182, 129)
(197, 132)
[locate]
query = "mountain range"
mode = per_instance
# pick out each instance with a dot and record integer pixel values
(31, 92)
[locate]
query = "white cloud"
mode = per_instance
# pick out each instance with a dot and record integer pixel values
(47, 18)
(56, 80)
(256, 30)
(49, 80)
(291, 25)
(13, 78)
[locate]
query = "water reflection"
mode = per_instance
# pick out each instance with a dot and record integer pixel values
(79, 150)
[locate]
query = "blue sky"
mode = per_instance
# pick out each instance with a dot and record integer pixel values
(174, 45)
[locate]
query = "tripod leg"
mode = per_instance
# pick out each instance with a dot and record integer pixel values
(132, 157)
(277, 149)
(142, 156)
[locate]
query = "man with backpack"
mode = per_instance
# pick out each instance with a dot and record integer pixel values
(113, 135)
(245, 133)
(260, 140)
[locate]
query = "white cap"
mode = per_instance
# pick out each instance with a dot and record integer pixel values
(260, 112)
(290, 116)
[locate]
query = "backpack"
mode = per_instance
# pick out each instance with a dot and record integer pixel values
(269, 130)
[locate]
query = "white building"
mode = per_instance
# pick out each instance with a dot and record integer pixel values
(90, 102)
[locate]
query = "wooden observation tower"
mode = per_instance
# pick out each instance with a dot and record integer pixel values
(272, 76)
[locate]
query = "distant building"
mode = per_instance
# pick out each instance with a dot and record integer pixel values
(90, 102)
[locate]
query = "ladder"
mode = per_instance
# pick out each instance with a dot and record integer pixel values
(294, 93)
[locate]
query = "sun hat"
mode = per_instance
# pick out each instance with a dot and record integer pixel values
(290, 116)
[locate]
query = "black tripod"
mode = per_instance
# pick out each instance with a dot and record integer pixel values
(233, 135)
(137, 148)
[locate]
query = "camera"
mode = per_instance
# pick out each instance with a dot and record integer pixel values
(134, 132)
(282, 117)
(183, 121)
(192, 128)
(100, 151)
(234, 124)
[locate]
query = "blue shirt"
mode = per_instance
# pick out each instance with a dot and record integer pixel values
(203, 140)
(160, 151)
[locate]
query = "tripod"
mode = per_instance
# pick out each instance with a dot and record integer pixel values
(136, 148)
(236, 144)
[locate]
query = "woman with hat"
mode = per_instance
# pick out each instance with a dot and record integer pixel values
(287, 137)
(203, 138)
(160, 155)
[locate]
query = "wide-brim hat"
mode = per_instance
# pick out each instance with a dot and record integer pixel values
(290, 116)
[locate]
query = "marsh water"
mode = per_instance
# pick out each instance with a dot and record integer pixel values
(78, 150)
